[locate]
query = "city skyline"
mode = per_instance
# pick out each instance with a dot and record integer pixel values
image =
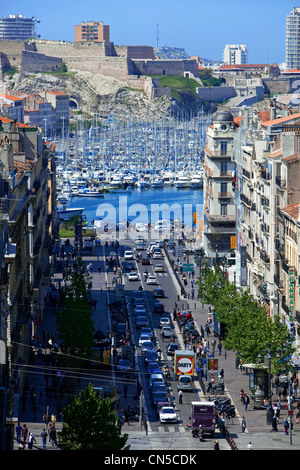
(261, 26)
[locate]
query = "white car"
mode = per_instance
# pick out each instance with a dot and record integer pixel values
(164, 321)
(143, 338)
(133, 276)
(151, 280)
(159, 268)
(166, 332)
(168, 415)
(128, 255)
(139, 239)
(158, 255)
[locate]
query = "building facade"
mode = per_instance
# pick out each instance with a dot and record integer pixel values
(27, 229)
(235, 54)
(292, 42)
(17, 28)
(218, 197)
(92, 31)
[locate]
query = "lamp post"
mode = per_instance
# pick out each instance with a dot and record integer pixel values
(269, 357)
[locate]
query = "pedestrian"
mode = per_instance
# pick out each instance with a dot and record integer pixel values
(31, 440)
(242, 395)
(53, 419)
(220, 348)
(24, 432)
(18, 432)
(243, 424)
(286, 426)
(249, 446)
(180, 396)
(44, 438)
(274, 423)
(46, 419)
(216, 445)
(221, 375)
(246, 401)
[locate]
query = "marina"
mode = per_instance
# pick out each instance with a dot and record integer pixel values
(148, 162)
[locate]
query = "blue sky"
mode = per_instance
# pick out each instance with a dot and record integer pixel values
(201, 27)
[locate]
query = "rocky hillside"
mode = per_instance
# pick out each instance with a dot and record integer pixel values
(95, 93)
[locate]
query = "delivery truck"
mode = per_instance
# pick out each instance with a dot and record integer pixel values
(203, 413)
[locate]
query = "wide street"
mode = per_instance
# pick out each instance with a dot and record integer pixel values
(109, 286)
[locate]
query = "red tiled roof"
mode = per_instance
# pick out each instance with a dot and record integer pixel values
(6, 120)
(292, 211)
(11, 97)
(281, 120)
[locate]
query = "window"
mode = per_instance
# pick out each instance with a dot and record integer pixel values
(223, 209)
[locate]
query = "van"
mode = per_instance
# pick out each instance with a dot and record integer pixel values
(110, 392)
(156, 378)
(185, 382)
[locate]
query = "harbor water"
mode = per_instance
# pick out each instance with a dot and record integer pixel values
(147, 205)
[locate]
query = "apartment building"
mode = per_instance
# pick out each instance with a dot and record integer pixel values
(218, 196)
(61, 105)
(92, 31)
(266, 154)
(12, 107)
(292, 42)
(17, 27)
(235, 54)
(28, 224)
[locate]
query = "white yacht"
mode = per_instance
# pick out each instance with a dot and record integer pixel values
(196, 182)
(157, 183)
(182, 182)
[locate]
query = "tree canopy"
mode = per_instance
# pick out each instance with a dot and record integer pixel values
(91, 423)
(249, 329)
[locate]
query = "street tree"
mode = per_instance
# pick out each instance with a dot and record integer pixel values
(91, 423)
(249, 329)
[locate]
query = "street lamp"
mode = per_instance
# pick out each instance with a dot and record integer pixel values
(269, 357)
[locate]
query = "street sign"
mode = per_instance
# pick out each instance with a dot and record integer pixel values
(187, 267)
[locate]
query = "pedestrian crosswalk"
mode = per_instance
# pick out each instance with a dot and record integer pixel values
(166, 429)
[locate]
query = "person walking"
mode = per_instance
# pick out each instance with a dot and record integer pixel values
(246, 401)
(18, 432)
(180, 396)
(243, 424)
(31, 440)
(286, 426)
(24, 432)
(216, 445)
(44, 438)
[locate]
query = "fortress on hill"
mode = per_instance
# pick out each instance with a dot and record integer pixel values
(39, 55)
